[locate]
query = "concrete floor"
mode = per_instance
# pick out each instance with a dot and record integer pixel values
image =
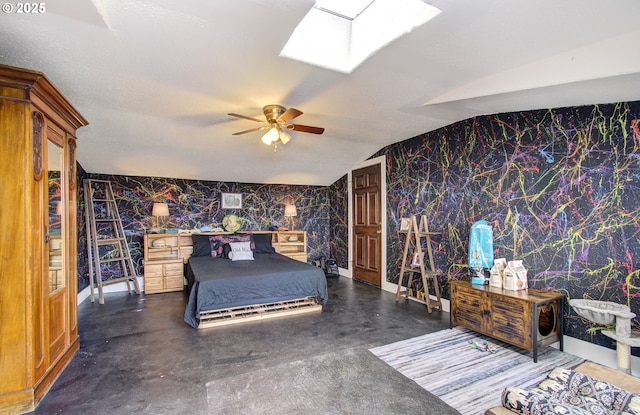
(138, 356)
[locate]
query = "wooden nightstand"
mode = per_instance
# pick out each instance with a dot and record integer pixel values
(292, 244)
(163, 263)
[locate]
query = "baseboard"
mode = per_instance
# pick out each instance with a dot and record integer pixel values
(598, 354)
(112, 288)
(344, 272)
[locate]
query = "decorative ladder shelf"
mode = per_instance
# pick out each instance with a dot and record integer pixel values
(106, 243)
(417, 234)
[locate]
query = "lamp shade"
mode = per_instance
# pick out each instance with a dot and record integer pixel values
(271, 136)
(284, 137)
(160, 209)
(290, 210)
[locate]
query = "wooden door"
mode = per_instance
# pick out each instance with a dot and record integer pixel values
(367, 224)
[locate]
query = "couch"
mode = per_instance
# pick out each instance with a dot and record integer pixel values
(621, 380)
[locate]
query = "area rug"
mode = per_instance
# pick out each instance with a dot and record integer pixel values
(454, 365)
(351, 381)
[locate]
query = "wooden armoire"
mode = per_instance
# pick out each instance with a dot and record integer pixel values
(38, 237)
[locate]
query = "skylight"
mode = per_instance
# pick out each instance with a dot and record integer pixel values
(340, 35)
(347, 9)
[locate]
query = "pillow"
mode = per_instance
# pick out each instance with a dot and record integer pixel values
(226, 250)
(241, 251)
(567, 391)
(580, 384)
(262, 243)
(218, 241)
(525, 402)
(246, 235)
(201, 245)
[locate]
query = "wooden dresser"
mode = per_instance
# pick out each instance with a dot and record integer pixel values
(38, 242)
(164, 258)
(529, 319)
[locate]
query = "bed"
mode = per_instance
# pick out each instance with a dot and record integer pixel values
(226, 291)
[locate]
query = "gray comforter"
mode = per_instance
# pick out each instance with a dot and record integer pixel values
(222, 283)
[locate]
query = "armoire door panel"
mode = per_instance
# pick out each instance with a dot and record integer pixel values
(57, 324)
(40, 287)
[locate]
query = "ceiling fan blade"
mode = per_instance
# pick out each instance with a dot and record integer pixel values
(305, 128)
(264, 127)
(288, 115)
(245, 117)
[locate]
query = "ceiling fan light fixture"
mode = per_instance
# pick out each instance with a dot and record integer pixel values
(277, 123)
(284, 137)
(271, 136)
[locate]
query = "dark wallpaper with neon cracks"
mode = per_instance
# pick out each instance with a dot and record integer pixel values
(560, 187)
(194, 204)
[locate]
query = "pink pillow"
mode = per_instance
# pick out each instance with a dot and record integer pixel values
(218, 241)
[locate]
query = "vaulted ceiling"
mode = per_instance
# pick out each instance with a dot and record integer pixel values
(156, 78)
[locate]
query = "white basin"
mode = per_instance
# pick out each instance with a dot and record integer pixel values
(601, 312)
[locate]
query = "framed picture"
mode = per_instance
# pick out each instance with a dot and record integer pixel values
(417, 258)
(405, 224)
(232, 201)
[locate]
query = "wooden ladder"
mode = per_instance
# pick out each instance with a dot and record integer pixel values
(107, 247)
(417, 234)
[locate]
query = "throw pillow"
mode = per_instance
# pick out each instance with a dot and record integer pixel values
(526, 402)
(611, 396)
(241, 251)
(218, 241)
(262, 243)
(201, 245)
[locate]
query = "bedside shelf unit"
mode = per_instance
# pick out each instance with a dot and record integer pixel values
(164, 258)
(291, 243)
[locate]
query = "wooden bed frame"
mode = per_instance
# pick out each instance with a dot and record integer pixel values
(234, 315)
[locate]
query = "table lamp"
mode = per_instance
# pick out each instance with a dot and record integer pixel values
(160, 210)
(290, 211)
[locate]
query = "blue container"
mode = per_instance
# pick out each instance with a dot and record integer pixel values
(481, 246)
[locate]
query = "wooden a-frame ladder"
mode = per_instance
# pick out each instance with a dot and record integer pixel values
(418, 235)
(107, 246)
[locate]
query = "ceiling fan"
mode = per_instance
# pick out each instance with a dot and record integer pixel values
(277, 122)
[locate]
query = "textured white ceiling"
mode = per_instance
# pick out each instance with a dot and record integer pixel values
(156, 78)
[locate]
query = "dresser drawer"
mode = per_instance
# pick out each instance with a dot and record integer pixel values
(174, 269)
(152, 284)
(176, 282)
(153, 270)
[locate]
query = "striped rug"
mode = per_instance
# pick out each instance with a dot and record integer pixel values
(470, 380)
